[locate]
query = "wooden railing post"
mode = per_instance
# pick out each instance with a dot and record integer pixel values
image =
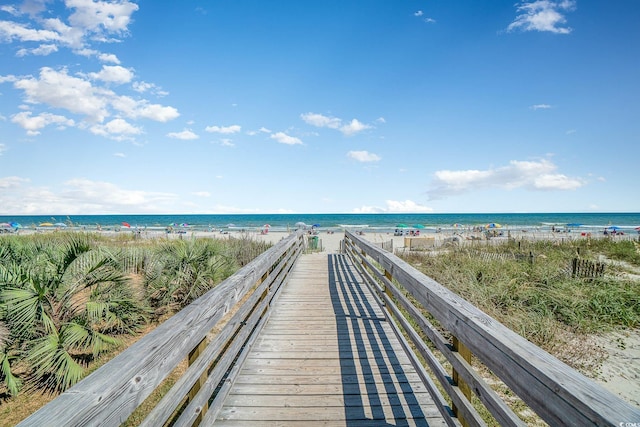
(462, 385)
(193, 356)
(388, 275)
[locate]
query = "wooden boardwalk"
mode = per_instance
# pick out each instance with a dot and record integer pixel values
(327, 357)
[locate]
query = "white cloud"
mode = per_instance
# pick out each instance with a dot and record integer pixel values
(543, 15)
(186, 134)
(82, 195)
(10, 9)
(353, 127)
(12, 182)
(8, 78)
(60, 90)
(42, 50)
(226, 142)
(224, 129)
(33, 124)
(142, 87)
(283, 138)
(530, 175)
(347, 129)
(381, 120)
(156, 112)
(116, 129)
(108, 57)
(320, 121)
(14, 31)
(121, 155)
(88, 21)
(363, 156)
(418, 13)
(394, 206)
(101, 16)
(113, 74)
(541, 107)
(3, 148)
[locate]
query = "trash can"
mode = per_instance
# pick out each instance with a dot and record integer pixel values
(313, 243)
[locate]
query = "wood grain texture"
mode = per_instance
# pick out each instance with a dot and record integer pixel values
(327, 356)
(555, 391)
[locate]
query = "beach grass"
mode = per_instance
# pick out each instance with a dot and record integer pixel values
(528, 287)
(107, 290)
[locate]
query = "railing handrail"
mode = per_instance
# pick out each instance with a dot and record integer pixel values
(108, 396)
(556, 392)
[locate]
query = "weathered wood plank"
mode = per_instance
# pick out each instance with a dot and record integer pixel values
(428, 422)
(110, 394)
(327, 355)
(343, 400)
(555, 391)
(380, 413)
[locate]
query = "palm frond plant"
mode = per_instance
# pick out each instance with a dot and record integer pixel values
(7, 358)
(65, 302)
(184, 270)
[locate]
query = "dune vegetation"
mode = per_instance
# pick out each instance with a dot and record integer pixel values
(68, 298)
(530, 287)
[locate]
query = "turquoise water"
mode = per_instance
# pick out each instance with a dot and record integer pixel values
(371, 222)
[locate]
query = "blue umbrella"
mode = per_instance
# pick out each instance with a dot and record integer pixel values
(613, 227)
(574, 224)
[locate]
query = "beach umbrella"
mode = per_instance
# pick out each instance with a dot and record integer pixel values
(316, 225)
(574, 224)
(493, 225)
(15, 225)
(46, 224)
(266, 226)
(184, 224)
(401, 225)
(613, 227)
(300, 224)
(126, 224)
(60, 224)
(457, 225)
(231, 225)
(5, 225)
(418, 226)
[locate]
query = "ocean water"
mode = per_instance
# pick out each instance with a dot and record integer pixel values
(336, 222)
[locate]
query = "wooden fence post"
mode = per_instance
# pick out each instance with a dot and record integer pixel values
(464, 351)
(193, 356)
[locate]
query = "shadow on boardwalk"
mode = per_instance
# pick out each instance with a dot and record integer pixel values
(366, 352)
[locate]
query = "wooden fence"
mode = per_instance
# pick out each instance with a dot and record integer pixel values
(586, 269)
(553, 390)
(111, 394)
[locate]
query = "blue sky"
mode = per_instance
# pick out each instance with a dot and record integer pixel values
(319, 107)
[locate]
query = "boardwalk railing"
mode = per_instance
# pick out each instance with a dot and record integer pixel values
(553, 390)
(111, 394)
